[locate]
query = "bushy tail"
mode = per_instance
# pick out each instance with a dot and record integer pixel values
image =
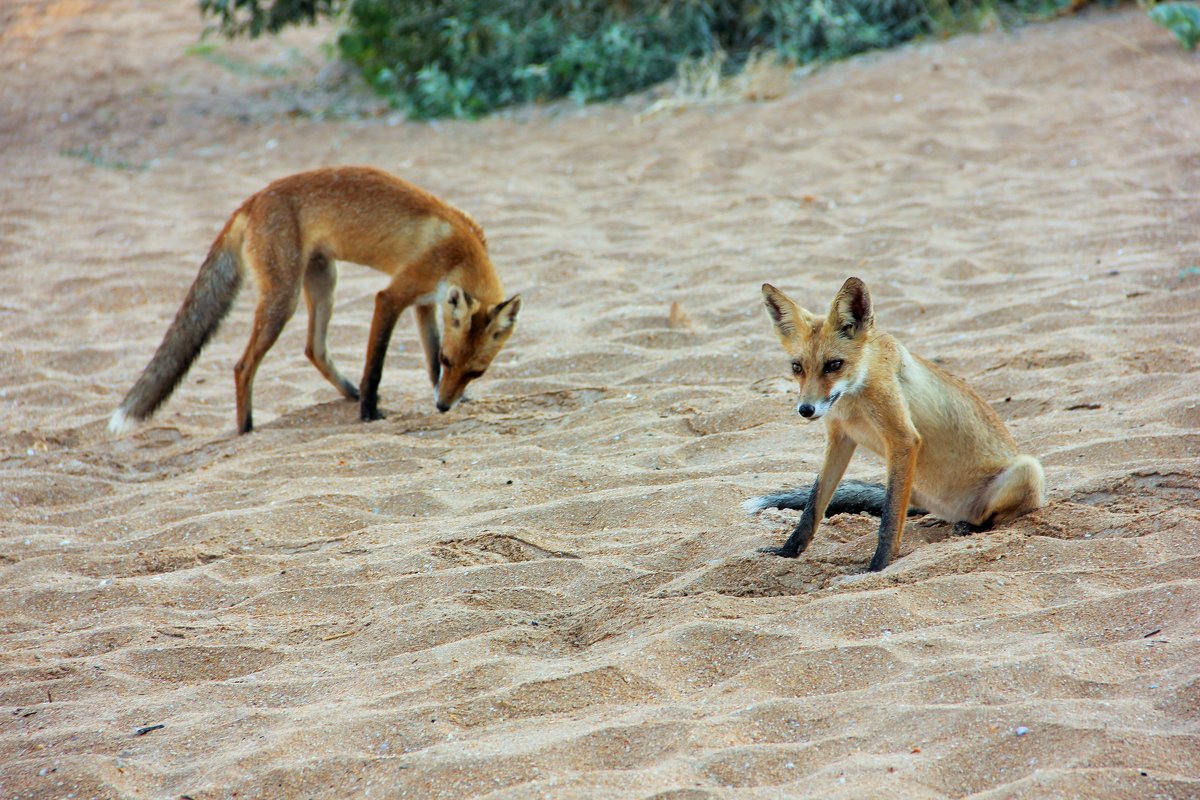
(850, 497)
(207, 303)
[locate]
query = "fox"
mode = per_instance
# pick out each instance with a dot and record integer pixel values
(945, 448)
(288, 238)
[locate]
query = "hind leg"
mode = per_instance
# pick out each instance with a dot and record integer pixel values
(320, 281)
(1019, 489)
(277, 300)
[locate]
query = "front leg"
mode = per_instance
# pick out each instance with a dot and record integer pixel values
(902, 462)
(389, 304)
(431, 340)
(838, 449)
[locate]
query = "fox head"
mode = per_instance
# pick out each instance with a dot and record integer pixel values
(472, 335)
(827, 353)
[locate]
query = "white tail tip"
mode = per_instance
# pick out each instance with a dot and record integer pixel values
(120, 423)
(755, 505)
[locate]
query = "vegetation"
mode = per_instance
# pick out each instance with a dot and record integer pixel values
(464, 58)
(255, 17)
(1181, 19)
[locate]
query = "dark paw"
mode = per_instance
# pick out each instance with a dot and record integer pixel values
(878, 564)
(371, 414)
(350, 391)
(782, 552)
(967, 529)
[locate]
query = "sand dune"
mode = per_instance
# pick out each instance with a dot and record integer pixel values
(552, 590)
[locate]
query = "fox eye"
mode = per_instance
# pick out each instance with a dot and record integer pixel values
(833, 365)
(797, 368)
(445, 361)
(473, 374)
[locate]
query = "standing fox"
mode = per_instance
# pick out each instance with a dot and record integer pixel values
(289, 235)
(942, 443)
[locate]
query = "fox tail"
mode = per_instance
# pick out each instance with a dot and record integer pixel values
(850, 497)
(207, 302)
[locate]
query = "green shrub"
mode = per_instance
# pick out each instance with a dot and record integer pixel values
(252, 18)
(1181, 19)
(463, 58)
(466, 57)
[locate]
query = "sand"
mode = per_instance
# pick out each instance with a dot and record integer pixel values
(552, 591)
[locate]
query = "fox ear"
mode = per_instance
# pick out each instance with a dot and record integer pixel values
(504, 316)
(459, 305)
(787, 316)
(851, 310)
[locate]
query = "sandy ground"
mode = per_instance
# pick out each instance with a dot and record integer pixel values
(552, 591)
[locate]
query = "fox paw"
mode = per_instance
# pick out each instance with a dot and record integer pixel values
(782, 552)
(371, 414)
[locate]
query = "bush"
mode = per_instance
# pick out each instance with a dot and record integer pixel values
(1181, 19)
(464, 58)
(250, 18)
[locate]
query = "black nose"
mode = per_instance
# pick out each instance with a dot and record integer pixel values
(443, 407)
(806, 410)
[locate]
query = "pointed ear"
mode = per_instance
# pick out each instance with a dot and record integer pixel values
(787, 316)
(504, 316)
(459, 305)
(851, 309)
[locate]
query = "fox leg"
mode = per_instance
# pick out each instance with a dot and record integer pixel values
(838, 449)
(389, 305)
(320, 281)
(431, 339)
(902, 462)
(279, 293)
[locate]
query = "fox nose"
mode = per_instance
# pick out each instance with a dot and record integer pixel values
(443, 407)
(806, 410)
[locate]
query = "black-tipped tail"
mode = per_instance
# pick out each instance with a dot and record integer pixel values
(850, 497)
(207, 303)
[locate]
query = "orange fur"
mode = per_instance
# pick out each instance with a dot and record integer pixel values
(944, 447)
(289, 236)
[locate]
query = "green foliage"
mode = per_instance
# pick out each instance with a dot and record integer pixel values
(463, 58)
(252, 17)
(1181, 19)
(466, 57)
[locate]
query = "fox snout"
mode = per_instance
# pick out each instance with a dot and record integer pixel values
(820, 408)
(449, 392)
(445, 400)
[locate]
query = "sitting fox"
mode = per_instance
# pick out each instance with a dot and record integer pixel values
(288, 237)
(943, 445)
